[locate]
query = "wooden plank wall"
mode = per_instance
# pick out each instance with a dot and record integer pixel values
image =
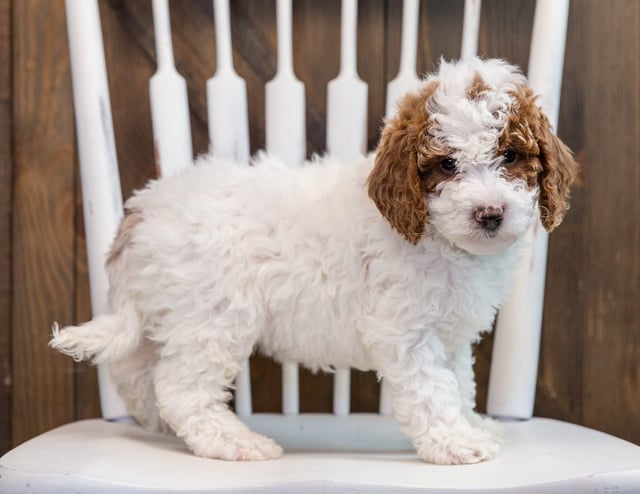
(590, 362)
(5, 224)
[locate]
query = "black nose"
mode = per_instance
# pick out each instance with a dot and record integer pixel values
(489, 217)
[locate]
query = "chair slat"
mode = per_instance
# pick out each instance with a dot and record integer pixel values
(227, 96)
(342, 392)
(285, 99)
(514, 363)
(169, 101)
(290, 389)
(102, 195)
(470, 28)
(346, 139)
(286, 139)
(242, 395)
(407, 79)
(228, 124)
(386, 399)
(347, 95)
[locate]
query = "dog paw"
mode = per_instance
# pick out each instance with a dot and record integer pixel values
(248, 446)
(459, 446)
(256, 447)
(492, 427)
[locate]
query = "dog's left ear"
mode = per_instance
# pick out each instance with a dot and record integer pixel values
(394, 183)
(559, 172)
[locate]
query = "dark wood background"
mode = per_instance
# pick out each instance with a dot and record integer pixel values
(590, 361)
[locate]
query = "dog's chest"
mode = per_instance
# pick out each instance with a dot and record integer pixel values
(463, 302)
(454, 296)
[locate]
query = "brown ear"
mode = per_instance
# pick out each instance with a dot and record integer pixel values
(394, 183)
(559, 172)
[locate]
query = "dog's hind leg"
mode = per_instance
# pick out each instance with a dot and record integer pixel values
(192, 379)
(133, 377)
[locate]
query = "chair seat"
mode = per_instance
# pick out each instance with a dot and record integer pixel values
(95, 456)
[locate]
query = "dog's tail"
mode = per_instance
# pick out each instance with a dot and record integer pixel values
(103, 339)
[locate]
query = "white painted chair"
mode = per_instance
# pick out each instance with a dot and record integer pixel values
(339, 452)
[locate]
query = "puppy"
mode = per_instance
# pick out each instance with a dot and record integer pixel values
(396, 262)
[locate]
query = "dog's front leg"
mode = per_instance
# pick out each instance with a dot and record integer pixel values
(461, 363)
(429, 406)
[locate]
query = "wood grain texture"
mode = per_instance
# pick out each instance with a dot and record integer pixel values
(6, 379)
(129, 69)
(43, 217)
(590, 366)
(590, 360)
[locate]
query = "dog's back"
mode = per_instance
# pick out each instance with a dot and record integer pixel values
(243, 239)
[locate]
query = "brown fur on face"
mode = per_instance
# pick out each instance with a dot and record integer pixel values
(407, 160)
(543, 159)
(397, 182)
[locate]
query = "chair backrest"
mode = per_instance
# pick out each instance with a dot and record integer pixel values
(515, 355)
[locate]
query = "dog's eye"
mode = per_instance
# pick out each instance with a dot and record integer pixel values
(509, 156)
(448, 165)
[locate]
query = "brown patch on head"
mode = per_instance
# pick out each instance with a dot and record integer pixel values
(518, 137)
(542, 159)
(477, 87)
(124, 235)
(406, 166)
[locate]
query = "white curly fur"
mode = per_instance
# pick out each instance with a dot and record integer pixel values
(299, 263)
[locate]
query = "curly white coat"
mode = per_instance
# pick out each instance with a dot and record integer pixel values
(299, 263)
